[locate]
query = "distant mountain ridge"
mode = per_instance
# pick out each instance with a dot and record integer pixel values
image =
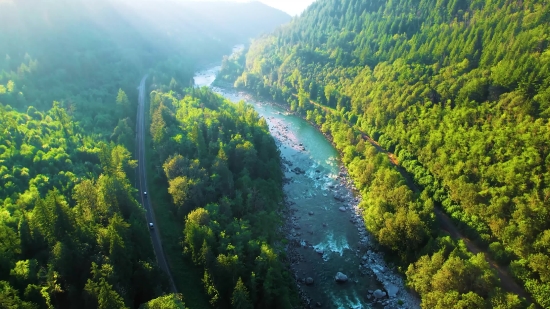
(228, 21)
(80, 40)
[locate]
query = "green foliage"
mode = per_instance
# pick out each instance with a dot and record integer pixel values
(100, 291)
(9, 298)
(231, 68)
(240, 298)
(458, 89)
(472, 278)
(71, 232)
(222, 171)
(171, 301)
(91, 55)
(66, 208)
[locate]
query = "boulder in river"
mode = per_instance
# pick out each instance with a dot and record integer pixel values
(339, 198)
(379, 294)
(310, 213)
(343, 209)
(391, 289)
(340, 277)
(309, 281)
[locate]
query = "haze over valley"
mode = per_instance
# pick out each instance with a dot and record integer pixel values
(274, 154)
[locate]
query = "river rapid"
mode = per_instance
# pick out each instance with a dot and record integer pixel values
(325, 230)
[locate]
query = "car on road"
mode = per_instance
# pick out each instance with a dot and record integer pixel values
(145, 193)
(151, 225)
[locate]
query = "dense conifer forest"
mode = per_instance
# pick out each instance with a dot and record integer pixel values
(72, 233)
(223, 174)
(457, 92)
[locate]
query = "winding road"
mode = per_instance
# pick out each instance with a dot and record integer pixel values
(142, 185)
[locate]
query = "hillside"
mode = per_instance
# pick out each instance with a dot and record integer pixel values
(72, 231)
(81, 52)
(458, 91)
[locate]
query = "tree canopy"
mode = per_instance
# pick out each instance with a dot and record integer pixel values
(222, 170)
(72, 234)
(457, 90)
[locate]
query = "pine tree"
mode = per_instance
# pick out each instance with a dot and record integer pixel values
(240, 298)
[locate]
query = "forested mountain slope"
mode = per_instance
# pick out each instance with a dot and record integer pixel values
(72, 234)
(222, 171)
(458, 90)
(82, 52)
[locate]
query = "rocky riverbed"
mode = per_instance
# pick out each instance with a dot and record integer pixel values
(390, 294)
(333, 258)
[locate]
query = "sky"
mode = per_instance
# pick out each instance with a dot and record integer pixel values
(292, 7)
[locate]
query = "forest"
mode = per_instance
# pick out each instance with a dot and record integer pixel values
(435, 105)
(223, 173)
(72, 233)
(457, 91)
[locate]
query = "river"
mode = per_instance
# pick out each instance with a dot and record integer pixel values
(325, 229)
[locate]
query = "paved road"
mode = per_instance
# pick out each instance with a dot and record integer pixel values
(142, 185)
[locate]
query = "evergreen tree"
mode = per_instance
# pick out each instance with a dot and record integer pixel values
(240, 298)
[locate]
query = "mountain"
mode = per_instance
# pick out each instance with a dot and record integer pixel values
(457, 92)
(61, 50)
(72, 231)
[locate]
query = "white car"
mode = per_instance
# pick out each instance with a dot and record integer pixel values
(151, 225)
(145, 193)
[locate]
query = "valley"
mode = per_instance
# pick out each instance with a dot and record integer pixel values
(324, 229)
(360, 154)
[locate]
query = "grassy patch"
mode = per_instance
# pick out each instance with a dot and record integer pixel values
(187, 277)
